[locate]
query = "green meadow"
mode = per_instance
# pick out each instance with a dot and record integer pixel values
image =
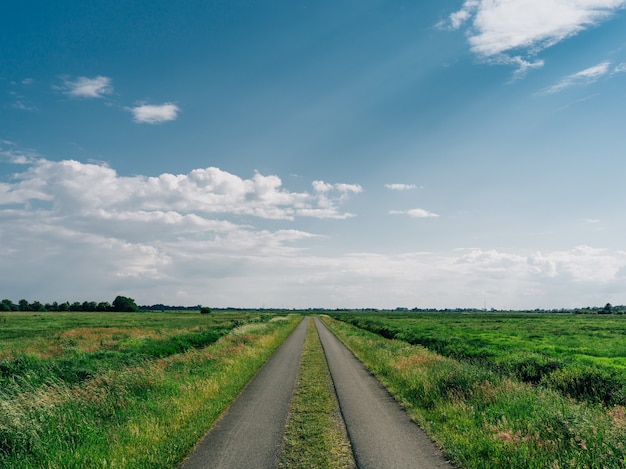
(503, 390)
(581, 356)
(80, 390)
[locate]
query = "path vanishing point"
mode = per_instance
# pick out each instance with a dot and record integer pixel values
(249, 435)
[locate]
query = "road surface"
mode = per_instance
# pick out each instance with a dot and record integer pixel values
(249, 436)
(382, 434)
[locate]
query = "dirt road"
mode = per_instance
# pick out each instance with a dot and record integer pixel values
(250, 433)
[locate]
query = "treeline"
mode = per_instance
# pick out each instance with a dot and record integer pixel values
(120, 304)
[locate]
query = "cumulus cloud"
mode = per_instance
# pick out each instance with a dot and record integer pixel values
(400, 187)
(73, 187)
(154, 114)
(84, 87)
(172, 232)
(415, 213)
(584, 77)
(513, 31)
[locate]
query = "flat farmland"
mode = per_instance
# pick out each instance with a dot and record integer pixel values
(123, 389)
(503, 390)
(583, 356)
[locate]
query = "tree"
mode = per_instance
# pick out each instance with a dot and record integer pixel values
(608, 309)
(123, 303)
(7, 305)
(205, 310)
(24, 305)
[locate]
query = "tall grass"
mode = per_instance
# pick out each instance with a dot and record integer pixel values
(147, 413)
(483, 419)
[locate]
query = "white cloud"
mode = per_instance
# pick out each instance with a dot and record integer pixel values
(584, 77)
(155, 235)
(155, 114)
(415, 213)
(75, 188)
(512, 31)
(76, 231)
(400, 187)
(620, 68)
(84, 87)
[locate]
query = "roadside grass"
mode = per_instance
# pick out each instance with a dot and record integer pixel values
(483, 419)
(314, 433)
(145, 412)
(580, 356)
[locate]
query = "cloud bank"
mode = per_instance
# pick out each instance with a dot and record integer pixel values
(76, 231)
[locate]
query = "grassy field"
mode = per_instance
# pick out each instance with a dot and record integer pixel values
(474, 404)
(581, 356)
(122, 390)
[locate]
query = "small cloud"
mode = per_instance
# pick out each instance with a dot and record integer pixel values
(620, 68)
(400, 187)
(154, 114)
(84, 87)
(415, 213)
(322, 187)
(22, 106)
(584, 77)
(28, 81)
(591, 221)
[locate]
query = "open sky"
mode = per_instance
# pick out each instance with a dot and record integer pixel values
(314, 153)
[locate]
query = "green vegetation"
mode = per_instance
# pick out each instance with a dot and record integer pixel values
(122, 390)
(314, 436)
(581, 356)
(483, 418)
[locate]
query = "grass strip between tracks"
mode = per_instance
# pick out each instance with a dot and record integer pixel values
(148, 415)
(314, 436)
(484, 420)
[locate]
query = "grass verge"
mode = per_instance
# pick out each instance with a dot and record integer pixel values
(148, 415)
(482, 419)
(314, 434)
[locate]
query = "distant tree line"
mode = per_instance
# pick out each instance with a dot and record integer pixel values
(162, 307)
(120, 304)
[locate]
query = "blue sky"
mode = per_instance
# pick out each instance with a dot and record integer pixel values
(314, 154)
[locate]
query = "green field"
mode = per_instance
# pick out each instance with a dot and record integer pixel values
(503, 390)
(123, 389)
(582, 356)
(83, 390)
